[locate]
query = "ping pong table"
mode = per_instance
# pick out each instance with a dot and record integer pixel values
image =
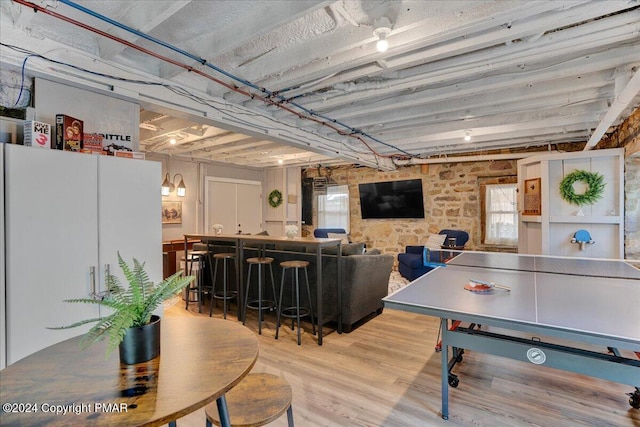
(587, 302)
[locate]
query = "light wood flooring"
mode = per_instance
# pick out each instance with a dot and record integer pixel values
(387, 373)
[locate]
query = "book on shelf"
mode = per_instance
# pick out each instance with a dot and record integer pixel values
(129, 154)
(68, 133)
(37, 134)
(92, 143)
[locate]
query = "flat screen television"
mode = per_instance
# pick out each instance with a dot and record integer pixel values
(392, 199)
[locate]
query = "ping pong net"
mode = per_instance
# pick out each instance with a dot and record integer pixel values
(591, 267)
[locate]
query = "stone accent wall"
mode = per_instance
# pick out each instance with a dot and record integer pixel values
(452, 196)
(632, 207)
(627, 135)
(450, 199)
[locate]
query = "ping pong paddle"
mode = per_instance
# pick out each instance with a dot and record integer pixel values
(482, 286)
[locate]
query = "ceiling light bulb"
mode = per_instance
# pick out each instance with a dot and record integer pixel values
(172, 141)
(467, 136)
(280, 161)
(382, 29)
(382, 45)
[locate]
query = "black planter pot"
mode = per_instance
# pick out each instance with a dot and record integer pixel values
(142, 343)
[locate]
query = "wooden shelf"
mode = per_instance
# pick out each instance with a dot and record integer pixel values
(531, 218)
(585, 219)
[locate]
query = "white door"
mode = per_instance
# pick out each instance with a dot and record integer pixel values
(51, 243)
(220, 202)
(129, 213)
(249, 207)
(236, 204)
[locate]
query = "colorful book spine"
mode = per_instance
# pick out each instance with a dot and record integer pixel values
(68, 133)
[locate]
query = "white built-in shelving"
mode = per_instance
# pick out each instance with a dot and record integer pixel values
(550, 233)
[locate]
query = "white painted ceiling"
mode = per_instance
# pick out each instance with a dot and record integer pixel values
(313, 89)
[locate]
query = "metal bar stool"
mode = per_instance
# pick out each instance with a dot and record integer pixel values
(200, 258)
(295, 311)
(260, 304)
(226, 294)
(257, 400)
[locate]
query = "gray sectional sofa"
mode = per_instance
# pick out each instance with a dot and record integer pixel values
(365, 279)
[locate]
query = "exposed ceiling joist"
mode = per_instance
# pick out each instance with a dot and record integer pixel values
(303, 79)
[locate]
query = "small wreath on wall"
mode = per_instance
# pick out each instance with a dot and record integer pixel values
(275, 198)
(595, 187)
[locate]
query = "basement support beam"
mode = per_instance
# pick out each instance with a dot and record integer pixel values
(621, 101)
(470, 158)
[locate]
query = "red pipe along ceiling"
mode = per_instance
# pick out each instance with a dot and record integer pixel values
(189, 68)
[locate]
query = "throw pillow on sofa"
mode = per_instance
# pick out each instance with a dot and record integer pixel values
(343, 236)
(435, 241)
(348, 249)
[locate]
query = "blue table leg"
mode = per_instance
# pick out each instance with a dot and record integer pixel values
(444, 327)
(223, 411)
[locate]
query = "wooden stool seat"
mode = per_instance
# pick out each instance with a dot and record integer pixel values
(224, 255)
(196, 253)
(257, 400)
(294, 264)
(260, 260)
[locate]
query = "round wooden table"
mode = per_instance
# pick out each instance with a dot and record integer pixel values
(200, 360)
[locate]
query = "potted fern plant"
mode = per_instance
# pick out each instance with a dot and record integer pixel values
(132, 326)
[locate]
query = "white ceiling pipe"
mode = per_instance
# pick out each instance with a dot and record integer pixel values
(619, 104)
(471, 158)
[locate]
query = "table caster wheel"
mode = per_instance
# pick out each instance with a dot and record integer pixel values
(453, 380)
(459, 358)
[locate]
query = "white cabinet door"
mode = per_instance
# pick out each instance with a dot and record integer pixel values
(3, 304)
(51, 242)
(130, 222)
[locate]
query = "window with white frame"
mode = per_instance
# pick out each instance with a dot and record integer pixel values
(501, 215)
(333, 208)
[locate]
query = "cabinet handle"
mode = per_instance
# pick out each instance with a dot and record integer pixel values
(92, 281)
(107, 273)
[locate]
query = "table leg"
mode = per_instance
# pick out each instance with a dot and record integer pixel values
(444, 354)
(319, 291)
(223, 411)
(339, 286)
(186, 248)
(239, 277)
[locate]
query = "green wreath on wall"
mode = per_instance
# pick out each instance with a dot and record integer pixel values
(595, 187)
(275, 198)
